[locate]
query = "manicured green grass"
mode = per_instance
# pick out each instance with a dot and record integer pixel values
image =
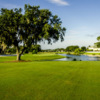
(92, 53)
(4, 59)
(50, 80)
(41, 57)
(33, 57)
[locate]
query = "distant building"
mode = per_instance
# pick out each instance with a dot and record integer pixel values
(94, 48)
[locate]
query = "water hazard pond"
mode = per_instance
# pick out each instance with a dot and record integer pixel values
(79, 58)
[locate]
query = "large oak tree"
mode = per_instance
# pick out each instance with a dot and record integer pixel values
(24, 30)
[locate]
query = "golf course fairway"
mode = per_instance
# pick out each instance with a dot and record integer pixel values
(50, 80)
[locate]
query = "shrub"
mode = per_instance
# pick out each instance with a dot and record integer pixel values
(77, 51)
(34, 52)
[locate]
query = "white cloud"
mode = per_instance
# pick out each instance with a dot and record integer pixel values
(60, 2)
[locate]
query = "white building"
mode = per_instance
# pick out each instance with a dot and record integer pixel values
(94, 48)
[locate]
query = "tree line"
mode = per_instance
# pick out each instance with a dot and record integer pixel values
(67, 49)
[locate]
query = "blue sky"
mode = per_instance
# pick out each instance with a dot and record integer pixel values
(80, 17)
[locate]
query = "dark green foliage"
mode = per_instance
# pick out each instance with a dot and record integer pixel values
(11, 50)
(97, 44)
(0, 50)
(83, 48)
(34, 52)
(35, 47)
(59, 50)
(74, 59)
(54, 50)
(35, 25)
(71, 48)
(98, 38)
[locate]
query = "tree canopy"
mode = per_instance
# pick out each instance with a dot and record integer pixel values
(35, 25)
(71, 48)
(83, 48)
(97, 44)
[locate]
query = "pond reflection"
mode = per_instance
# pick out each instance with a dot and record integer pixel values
(78, 58)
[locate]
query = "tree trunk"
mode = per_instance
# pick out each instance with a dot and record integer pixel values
(18, 54)
(18, 57)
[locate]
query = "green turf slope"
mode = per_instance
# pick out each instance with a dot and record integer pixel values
(33, 57)
(50, 80)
